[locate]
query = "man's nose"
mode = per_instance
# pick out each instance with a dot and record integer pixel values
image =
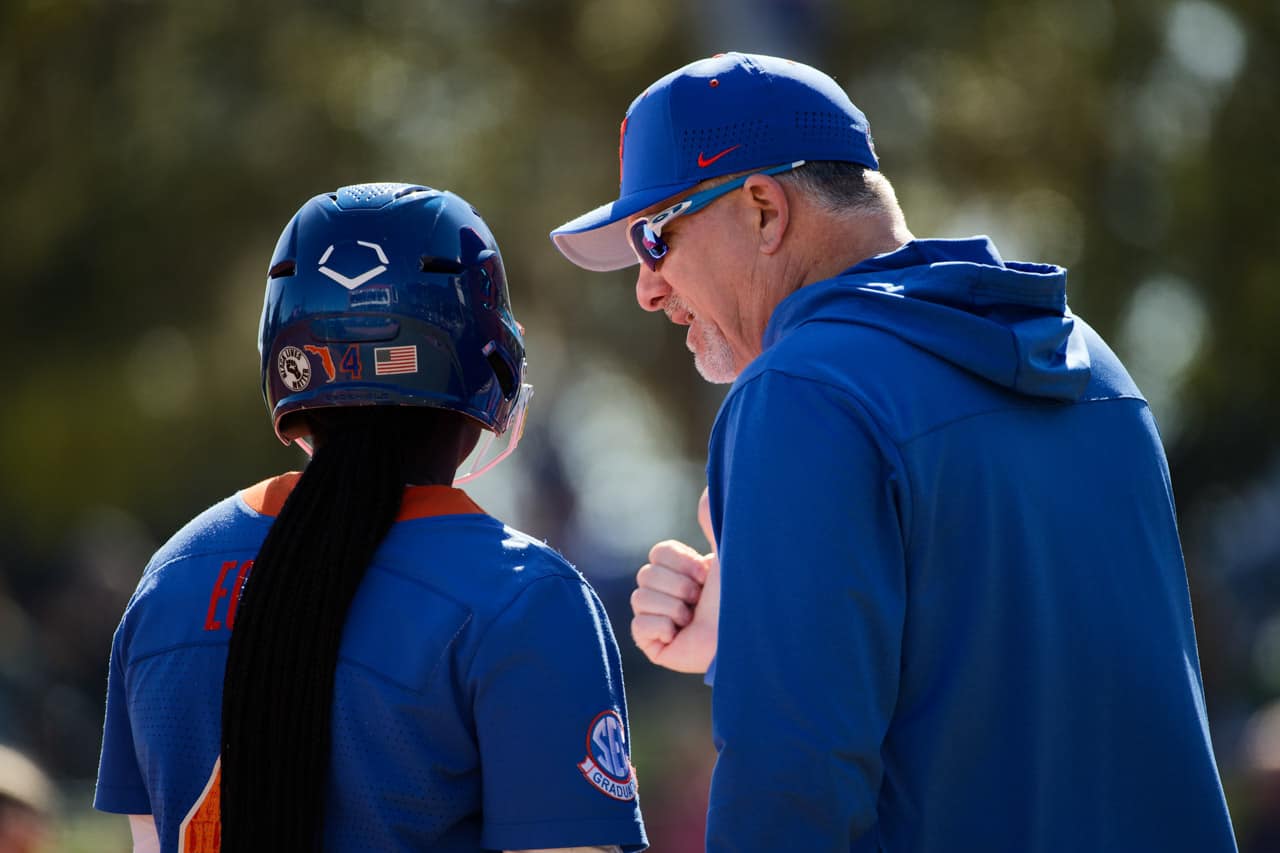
(652, 289)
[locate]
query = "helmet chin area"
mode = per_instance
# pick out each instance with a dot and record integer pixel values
(493, 447)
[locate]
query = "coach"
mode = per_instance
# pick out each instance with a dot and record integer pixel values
(953, 612)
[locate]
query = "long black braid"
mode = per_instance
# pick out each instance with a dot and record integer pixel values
(278, 686)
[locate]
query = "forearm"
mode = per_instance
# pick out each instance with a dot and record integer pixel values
(145, 837)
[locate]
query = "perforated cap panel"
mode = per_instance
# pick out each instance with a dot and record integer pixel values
(709, 141)
(372, 196)
(816, 124)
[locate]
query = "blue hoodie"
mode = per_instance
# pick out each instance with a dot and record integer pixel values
(954, 612)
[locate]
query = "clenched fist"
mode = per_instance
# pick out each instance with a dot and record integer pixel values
(677, 602)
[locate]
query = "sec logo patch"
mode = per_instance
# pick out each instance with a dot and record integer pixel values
(608, 765)
(294, 367)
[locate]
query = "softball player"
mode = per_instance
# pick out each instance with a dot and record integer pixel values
(357, 657)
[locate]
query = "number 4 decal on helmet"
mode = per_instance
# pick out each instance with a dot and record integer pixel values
(350, 363)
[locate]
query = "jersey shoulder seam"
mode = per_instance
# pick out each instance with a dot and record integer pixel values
(501, 612)
(173, 647)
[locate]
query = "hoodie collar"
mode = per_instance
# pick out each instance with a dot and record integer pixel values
(1004, 320)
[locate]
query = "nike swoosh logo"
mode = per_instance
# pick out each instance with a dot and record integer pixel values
(704, 162)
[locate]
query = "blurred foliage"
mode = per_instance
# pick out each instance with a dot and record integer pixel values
(154, 150)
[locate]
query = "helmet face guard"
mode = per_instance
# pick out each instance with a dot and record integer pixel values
(389, 295)
(492, 447)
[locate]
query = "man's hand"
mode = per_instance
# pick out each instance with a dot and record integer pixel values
(677, 602)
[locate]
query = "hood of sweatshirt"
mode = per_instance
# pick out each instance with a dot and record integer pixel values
(1005, 321)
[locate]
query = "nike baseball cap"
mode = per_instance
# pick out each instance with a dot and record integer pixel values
(717, 116)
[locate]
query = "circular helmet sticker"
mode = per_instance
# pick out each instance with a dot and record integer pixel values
(294, 367)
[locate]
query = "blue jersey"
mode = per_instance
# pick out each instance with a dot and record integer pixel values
(954, 610)
(478, 700)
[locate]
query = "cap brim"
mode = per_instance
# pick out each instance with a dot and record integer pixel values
(597, 240)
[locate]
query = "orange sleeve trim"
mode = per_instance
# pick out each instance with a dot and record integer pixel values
(268, 497)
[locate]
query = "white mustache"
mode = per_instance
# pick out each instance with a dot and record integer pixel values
(676, 308)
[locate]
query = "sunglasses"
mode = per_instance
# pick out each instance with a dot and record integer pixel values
(646, 233)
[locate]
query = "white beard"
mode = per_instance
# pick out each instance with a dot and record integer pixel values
(713, 358)
(712, 355)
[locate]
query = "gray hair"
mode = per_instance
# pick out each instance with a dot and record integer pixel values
(843, 188)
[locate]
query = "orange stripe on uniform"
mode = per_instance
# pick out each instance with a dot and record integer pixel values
(268, 497)
(201, 831)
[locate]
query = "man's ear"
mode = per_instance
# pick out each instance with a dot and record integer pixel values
(771, 212)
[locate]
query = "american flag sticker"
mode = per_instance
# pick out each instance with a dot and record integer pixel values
(388, 360)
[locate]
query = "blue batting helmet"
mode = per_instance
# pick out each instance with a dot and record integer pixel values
(388, 294)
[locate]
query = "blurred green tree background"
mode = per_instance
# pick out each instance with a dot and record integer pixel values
(153, 151)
